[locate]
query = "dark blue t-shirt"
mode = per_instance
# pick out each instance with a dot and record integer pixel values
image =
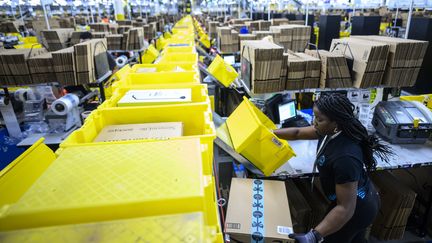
(341, 161)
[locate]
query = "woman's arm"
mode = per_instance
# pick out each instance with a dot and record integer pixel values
(346, 195)
(297, 133)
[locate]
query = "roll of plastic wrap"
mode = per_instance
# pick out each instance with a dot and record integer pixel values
(4, 101)
(65, 104)
(24, 95)
(85, 114)
(121, 61)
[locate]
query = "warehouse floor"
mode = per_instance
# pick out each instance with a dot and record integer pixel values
(408, 238)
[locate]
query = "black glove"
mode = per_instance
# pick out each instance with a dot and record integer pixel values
(309, 237)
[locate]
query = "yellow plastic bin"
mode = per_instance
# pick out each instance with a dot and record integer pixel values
(150, 55)
(426, 99)
(119, 75)
(115, 181)
(188, 227)
(222, 71)
(179, 57)
(179, 49)
(137, 80)
(19, 175)
(196, 119)
(167, 67)
(199, 94)
(251, 135)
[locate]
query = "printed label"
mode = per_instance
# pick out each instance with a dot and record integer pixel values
(283, 230)
(233, 225)
(276, 141)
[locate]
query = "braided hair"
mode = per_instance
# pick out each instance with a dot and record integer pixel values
(339, 109)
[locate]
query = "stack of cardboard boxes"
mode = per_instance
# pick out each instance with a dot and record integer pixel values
(13, 65)
(283, 36)
(369, 59)
(64, 66)
(114, 42)
(334, 69)
(301, 37)
(84, 59)
(56, 39)
(404, 60)
(262, 63)
(41, 68)
(281, 21)
(397, 201)
(228, 39)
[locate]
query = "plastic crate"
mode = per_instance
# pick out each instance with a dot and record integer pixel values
(119, 75)
(19, 175)
(196, 119)
(137, 80)
(179, 49)
(116, 181)
(222, 71)
(168, 228)
(150, 55)
(179, 57)
(167, 67)
(251, 135)
(198, 91)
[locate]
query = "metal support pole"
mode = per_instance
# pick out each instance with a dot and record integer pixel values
(307, 13)
(268, 10)
(409, 19)
(396, 17)
(45, 14)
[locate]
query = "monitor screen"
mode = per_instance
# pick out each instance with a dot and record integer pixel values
(229, 59)
(287, 111)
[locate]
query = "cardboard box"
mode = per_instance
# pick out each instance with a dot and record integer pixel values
(162, 131)
(161, 96)
(368, 58)
(397, 201)
(258, 211)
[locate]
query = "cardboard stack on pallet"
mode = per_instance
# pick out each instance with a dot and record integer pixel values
(56, 39)
(124, 22)
(228, 39)
(334, 69)
(149, 32)
(64, 66)
(75, 38)
(41, 68)
(264, 25)
(260, 34)
(252, 26)
(404, 61)
(296, 68)
(312, 71)
(397, 201)
(84, 59)
(263, 60)
(99, 27)
(297, 22)
(123, 29)
(13, 65)
(369, 59)
(114, 42)
(246, 37)
(67, 22)
(10, 27)
(99, 35)
(281, 21)
(284, 36)
(301, 37)
(135, 39)
(212, 29)
(299, 208)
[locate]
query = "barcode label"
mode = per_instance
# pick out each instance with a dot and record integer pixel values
(276, 141)
(232, 225)
(283, 230)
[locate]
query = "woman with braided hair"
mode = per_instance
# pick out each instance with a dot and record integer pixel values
(345, 153)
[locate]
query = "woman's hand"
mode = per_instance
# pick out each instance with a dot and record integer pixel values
(296, 133)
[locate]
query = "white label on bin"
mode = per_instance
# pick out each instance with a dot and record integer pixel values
(283, 230)
(276, 141)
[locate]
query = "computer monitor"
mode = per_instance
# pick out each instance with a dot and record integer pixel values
(229, 59)
(287, 111)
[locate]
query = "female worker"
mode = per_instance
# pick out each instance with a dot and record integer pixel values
(345, 152)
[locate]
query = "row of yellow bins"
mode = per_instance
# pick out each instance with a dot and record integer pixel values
(125, 191)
